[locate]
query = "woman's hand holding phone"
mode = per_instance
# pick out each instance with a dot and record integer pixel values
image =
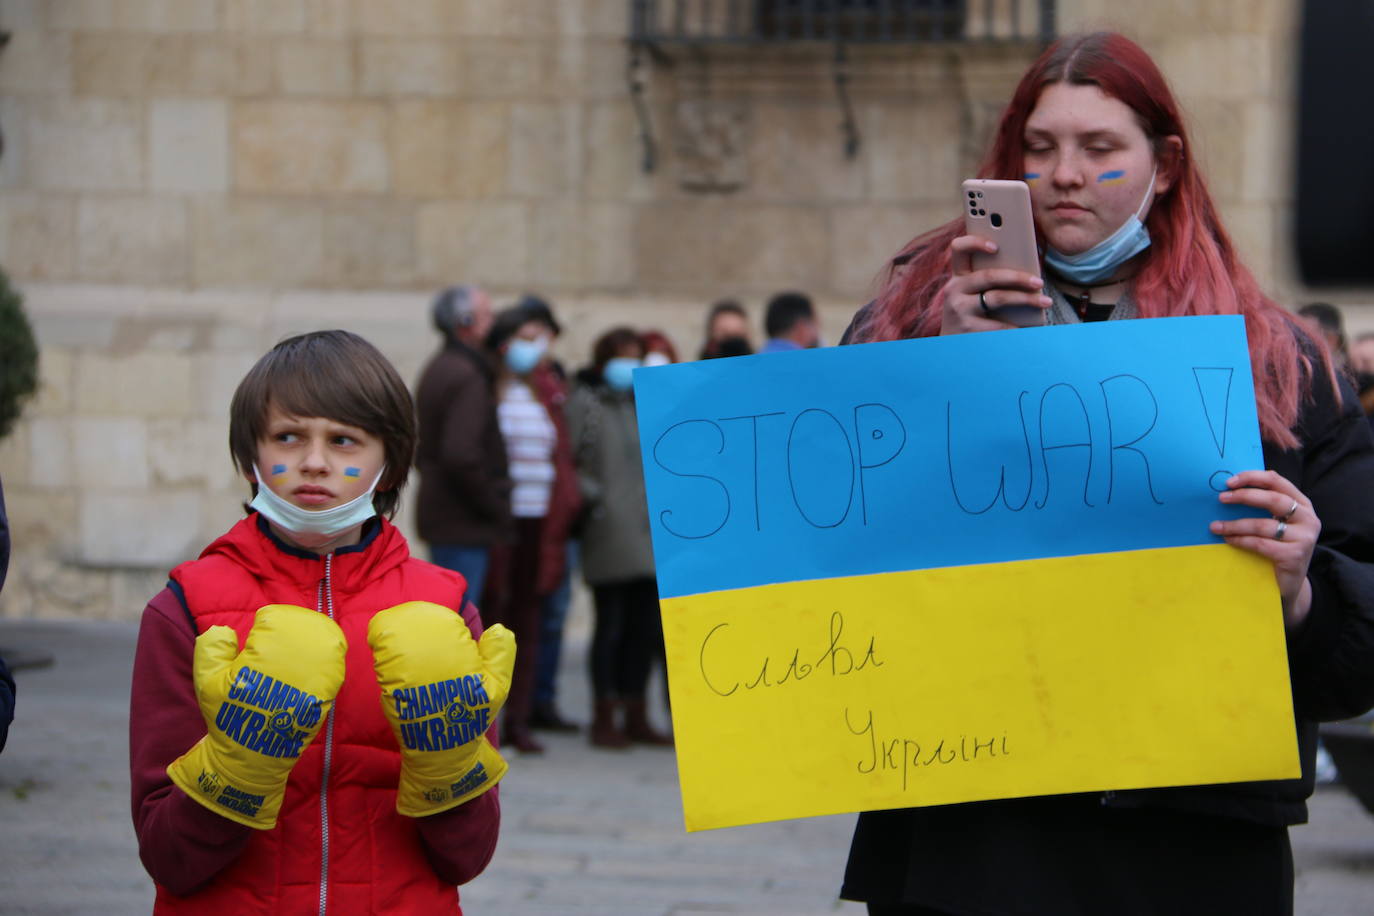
(968, 291)
(996, 264)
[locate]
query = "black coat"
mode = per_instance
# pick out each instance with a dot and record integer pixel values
(6, 681)
(1221, 848)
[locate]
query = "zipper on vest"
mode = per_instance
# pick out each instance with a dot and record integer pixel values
(324, 603)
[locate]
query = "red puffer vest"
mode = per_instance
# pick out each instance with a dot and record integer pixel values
(339, 846)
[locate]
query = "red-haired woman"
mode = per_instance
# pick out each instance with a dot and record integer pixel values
(1128, 230)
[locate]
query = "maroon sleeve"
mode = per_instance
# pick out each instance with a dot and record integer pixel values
(182, 843)
(461, 841)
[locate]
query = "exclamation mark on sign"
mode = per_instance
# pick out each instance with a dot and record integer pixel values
(1214, 387)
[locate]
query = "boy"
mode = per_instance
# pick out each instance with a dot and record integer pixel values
(270, 774)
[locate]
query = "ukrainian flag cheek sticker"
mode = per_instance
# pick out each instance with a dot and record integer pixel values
(961, 568)
(1116, 176)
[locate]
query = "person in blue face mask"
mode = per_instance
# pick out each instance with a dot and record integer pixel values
(323, 431)
(519, 342)
(558, 548)
(1128, 230)
(617, 555)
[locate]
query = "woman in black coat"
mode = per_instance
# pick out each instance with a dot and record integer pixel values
(1128, 230)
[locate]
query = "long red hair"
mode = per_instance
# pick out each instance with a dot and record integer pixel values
(1190, 268)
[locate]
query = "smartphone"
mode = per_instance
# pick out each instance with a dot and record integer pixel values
(1001, 212)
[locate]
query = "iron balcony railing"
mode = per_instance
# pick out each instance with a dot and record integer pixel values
(698, 25)
(708, 22)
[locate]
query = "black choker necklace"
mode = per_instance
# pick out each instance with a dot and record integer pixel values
(1082, 302)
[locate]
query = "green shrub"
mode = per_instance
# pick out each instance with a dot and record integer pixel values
(18, 356)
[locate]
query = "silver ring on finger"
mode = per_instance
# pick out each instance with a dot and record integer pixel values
(983, 303)
(1279, 529)
(1289, 514)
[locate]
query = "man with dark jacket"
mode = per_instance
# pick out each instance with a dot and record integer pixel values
(6, 681)
(790, 323)
(463, 505)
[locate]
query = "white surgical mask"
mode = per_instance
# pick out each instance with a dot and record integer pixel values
(656, 358)
(1102, 260)
(305, 523)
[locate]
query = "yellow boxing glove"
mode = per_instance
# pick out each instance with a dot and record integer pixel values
(262, 706)
(441, 690)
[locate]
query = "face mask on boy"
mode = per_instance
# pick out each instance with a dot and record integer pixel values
(1101, 261)
(304, 523)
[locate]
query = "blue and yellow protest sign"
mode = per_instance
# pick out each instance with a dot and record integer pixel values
(962, 568)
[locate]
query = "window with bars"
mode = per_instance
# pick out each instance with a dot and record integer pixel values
(859, 20)
(852, 21)
(658, 26)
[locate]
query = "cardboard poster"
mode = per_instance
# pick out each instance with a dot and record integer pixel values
(962, 568)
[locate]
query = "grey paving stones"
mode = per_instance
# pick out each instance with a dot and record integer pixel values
(585, 832)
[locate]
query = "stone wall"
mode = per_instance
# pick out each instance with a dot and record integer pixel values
(184, 182)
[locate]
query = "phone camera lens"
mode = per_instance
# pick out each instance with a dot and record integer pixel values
(982, 213)
(980, 193)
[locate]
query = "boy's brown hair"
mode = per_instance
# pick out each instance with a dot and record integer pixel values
(332, 374)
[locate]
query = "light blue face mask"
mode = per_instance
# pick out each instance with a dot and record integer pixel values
(619, 372)
(523, 355)
(314, 526)
(1102, 260)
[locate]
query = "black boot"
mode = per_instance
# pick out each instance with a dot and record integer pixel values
(545, 717)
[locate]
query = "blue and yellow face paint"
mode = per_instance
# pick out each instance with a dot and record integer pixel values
(1115, 176)
(962, 568)
(1030, 177)
(352, 473)
(278, 472)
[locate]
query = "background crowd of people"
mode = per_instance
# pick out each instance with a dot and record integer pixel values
(517, 457)
(529, 472)
(1354, 357)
